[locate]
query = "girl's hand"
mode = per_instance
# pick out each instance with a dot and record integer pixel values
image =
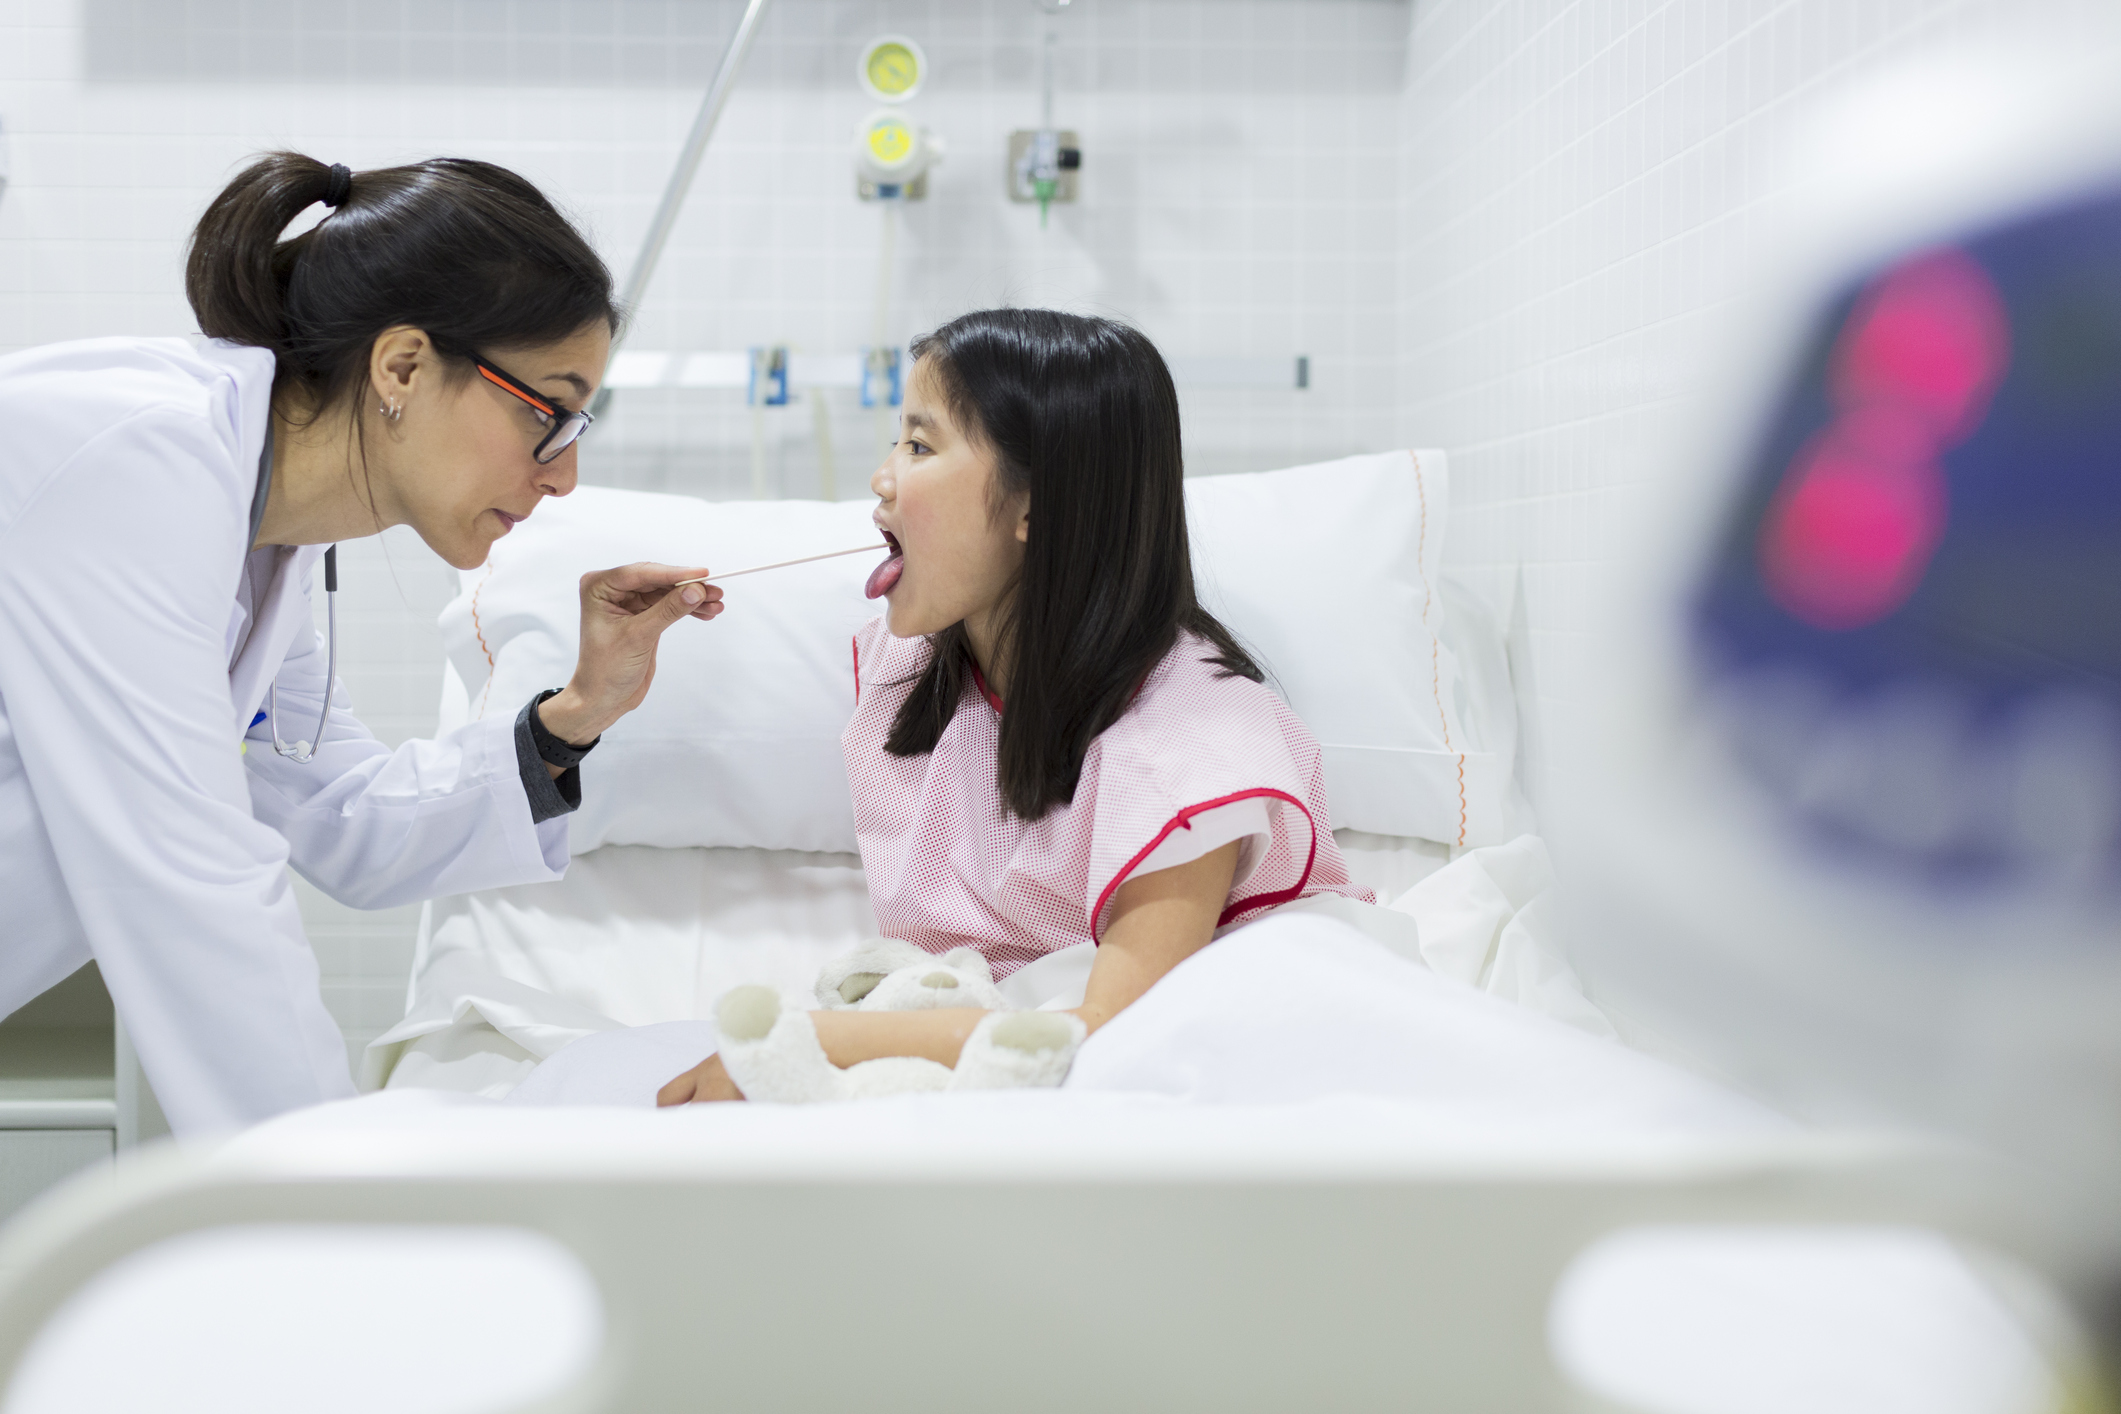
(704, 1082)
(1158, 921)
(624, 613)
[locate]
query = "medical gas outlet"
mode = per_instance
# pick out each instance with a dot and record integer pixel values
(892, 153)
(1042, 166)
(892, 157)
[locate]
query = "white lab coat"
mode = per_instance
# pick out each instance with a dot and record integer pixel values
(134, 826)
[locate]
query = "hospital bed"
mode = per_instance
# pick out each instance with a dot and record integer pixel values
(1481, 1236)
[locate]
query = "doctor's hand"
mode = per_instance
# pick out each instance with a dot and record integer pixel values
(708, 1080)
(624, 613)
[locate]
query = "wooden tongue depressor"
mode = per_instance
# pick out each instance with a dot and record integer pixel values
(783, 564)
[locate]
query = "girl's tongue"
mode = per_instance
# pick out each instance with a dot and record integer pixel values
(886, 574)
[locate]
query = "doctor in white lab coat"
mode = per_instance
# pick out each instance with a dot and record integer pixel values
(421, 357)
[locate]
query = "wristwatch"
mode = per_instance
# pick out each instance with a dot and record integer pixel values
(551, 750)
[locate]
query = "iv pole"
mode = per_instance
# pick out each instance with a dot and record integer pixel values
(666, 211)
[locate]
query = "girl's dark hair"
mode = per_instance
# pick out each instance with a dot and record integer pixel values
(467, 251)
(1081, 414)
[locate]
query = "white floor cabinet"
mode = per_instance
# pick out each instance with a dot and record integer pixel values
(71, 1093)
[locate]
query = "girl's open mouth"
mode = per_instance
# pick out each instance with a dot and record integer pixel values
(886, 574)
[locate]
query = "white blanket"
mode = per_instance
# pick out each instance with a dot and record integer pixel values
(634, 937)
(1298, 1006)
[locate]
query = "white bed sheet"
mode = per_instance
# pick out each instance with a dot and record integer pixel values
(635, 936)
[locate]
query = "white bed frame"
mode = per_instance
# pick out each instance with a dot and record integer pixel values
(1257, 1281)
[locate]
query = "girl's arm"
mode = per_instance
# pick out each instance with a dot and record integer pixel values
(1158, 921)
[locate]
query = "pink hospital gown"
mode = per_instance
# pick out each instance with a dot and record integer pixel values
(1198, 760)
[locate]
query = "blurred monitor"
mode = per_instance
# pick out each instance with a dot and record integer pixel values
(1848, 826)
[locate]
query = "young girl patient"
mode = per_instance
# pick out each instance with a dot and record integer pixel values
(1053, 743)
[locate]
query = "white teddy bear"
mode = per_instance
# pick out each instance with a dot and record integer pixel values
(772, 1052)
(888, 975)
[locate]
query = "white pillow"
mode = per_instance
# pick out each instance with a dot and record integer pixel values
(1327, 572)
(1331, 573)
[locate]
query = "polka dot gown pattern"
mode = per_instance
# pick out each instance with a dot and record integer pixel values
(950, 866)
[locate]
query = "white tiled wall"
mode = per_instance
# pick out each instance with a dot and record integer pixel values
(1577, 181)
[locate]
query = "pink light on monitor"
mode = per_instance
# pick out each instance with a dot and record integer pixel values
(1851, 532)
(1931, 335)
(1860, 511)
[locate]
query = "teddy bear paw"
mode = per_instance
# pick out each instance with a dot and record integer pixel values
(1019, 1050)
(771, 1051)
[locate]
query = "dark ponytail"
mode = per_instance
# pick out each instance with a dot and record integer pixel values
(1082, 418)
(466, 251)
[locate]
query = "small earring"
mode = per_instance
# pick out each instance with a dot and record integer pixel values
(390, 410)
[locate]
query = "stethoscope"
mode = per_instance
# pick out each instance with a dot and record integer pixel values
(304, 752)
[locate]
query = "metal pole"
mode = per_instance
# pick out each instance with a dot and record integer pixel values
(1046, 78)
(666, 212)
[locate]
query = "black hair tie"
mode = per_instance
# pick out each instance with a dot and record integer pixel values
(341, 185)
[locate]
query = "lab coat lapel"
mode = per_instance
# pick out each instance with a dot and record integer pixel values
(282, 615)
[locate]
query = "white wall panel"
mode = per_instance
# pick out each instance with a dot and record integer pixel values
(1582, 183)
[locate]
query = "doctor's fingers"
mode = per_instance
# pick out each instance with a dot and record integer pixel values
(646, 579)
(633, 589)
(641, 629)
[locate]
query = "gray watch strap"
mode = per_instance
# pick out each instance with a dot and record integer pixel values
(550, 796)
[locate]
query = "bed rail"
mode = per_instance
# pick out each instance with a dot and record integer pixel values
(1262, 1283)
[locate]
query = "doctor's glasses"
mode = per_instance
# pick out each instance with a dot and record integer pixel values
(564, 428)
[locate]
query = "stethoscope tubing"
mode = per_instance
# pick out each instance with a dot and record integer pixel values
(304, 752)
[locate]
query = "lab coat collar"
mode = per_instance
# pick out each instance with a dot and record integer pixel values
(251, 370)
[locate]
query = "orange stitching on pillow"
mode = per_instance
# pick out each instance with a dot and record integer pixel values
(1421, 567)
(478, 631)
